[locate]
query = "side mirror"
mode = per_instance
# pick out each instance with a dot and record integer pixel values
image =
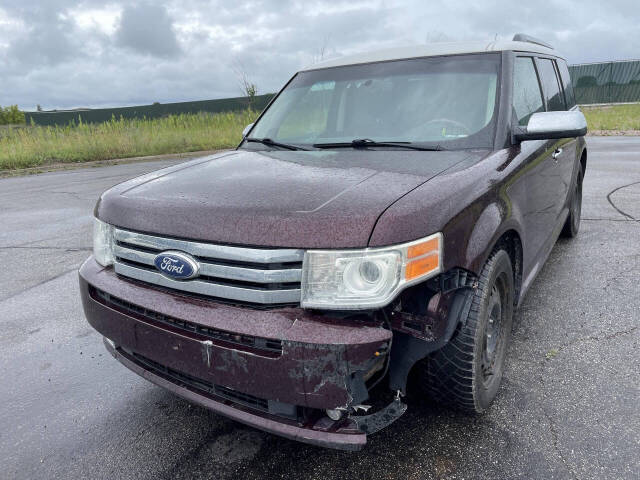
(246, 130)
(548, 125)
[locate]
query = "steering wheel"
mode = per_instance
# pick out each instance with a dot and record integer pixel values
(455, 123)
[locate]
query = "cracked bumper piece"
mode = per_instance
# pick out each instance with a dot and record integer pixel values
(353, 440)
(259, 367)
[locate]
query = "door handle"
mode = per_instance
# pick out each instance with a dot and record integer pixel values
(556, 154)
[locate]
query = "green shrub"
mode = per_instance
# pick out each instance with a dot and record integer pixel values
(11, 116)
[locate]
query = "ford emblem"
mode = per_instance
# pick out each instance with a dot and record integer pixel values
(176, 265)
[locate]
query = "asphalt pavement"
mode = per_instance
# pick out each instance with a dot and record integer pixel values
(569, 406)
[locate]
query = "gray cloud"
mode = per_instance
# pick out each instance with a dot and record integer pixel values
(67, 53)
(46, 40)
(146, 28)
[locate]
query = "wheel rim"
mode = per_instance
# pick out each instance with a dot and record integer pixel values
(493, 335)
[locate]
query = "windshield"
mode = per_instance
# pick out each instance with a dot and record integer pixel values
(444, 101)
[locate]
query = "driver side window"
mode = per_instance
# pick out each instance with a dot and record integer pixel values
(527, 96)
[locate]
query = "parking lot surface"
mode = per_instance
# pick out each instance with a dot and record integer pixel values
(569, 406)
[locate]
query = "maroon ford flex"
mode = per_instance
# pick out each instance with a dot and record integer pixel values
(384, 216)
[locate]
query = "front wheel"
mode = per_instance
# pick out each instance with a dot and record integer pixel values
(467, 371)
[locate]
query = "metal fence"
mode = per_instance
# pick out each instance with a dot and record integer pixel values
(610, 82)
(146, 111)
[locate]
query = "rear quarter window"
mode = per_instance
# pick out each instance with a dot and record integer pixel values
(550, 86)
(527, 98)
(566, 83)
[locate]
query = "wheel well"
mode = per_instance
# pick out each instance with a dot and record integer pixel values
(512, 243)
(583, 161)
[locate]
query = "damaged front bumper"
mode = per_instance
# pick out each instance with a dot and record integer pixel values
(349, 437)
(277, 370)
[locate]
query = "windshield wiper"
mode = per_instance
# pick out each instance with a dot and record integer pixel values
(271, 143)
(367, 142)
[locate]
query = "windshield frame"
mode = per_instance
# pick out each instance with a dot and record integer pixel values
(496, 122)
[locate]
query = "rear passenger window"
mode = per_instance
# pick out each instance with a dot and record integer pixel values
(550, 85)
(566, 82)
(527, 98)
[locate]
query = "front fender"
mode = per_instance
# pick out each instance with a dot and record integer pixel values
(472, 205)
(493, 223)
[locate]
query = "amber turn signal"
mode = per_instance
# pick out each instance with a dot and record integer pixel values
(423, 257)
(421, 249)
(421, 266)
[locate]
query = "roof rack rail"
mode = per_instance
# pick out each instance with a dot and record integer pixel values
(523, 37)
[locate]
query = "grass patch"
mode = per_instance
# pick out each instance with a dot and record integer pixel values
(38, 146)
(23, 147)
(614, 117)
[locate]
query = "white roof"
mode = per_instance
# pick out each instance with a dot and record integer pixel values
(432, 50)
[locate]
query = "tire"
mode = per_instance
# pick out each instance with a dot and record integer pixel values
(466, 373)
(572, 224)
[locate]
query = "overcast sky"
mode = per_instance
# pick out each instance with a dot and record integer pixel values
(70, 53)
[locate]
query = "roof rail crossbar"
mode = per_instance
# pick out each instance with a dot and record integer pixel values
(522, 37)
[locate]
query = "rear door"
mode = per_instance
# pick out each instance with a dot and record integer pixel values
(563, 149)
(568, 159)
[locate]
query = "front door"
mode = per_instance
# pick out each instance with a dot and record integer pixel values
(540, 176)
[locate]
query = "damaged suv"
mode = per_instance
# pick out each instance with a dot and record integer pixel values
(383, 217)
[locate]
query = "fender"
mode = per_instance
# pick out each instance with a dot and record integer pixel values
(491, 225)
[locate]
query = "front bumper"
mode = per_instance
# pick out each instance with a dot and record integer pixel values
(320, 362)
(343, 440)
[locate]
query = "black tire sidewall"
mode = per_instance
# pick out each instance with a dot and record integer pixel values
(572, 224)
(499, 267)
(575, 219)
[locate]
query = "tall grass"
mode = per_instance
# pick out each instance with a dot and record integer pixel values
(36, 146)
(613, 117)
(120, 138)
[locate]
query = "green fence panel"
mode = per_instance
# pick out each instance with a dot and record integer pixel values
(147, 111)
(611, 82)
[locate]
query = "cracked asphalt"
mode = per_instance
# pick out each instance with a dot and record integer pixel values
(569, 406)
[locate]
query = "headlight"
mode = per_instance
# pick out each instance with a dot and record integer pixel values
(102, 242)
(369, 278)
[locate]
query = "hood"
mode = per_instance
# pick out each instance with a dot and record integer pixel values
(315, 199)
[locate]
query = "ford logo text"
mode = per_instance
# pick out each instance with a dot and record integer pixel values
(176, 265)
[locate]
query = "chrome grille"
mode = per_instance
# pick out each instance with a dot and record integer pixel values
(252, 275)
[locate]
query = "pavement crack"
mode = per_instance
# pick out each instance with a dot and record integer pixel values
(620, 211)
(611, 281)
(555, 440)
(619, 333)
(555, 437)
